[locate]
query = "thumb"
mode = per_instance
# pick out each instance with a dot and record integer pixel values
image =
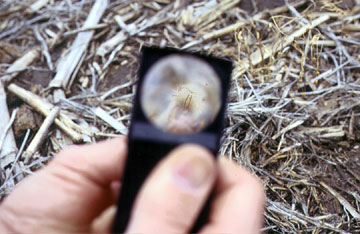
(173, 195)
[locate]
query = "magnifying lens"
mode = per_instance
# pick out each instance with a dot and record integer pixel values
(180, 99)
(181, 94)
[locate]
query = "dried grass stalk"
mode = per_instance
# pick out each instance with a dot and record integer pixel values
(40, 135)
(45, 108)
(71, 58)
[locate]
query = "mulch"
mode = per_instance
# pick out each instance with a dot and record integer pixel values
(293, 112)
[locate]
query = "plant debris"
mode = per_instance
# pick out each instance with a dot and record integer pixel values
(294, 105)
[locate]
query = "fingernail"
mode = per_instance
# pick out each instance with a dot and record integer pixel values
(193, 173)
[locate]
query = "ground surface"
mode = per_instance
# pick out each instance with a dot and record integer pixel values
(293, 113)
(251, 5)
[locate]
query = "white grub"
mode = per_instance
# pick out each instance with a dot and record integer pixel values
(181, 94)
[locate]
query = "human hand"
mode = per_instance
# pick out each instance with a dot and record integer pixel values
(77, 192)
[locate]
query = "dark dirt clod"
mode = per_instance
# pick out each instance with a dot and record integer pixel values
(24, 120)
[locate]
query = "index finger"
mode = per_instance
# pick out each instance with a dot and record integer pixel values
(238, 204)
(100, 163)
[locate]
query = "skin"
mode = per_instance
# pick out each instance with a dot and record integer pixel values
(76, 193)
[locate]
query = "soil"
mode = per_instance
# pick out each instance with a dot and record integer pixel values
(118, 75)
(39, 77)
(9, 52)
(341, 178)
(25, 119)
(248, 5)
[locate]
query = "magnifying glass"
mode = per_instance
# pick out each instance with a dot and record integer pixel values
(181, 94)
(180, 99)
